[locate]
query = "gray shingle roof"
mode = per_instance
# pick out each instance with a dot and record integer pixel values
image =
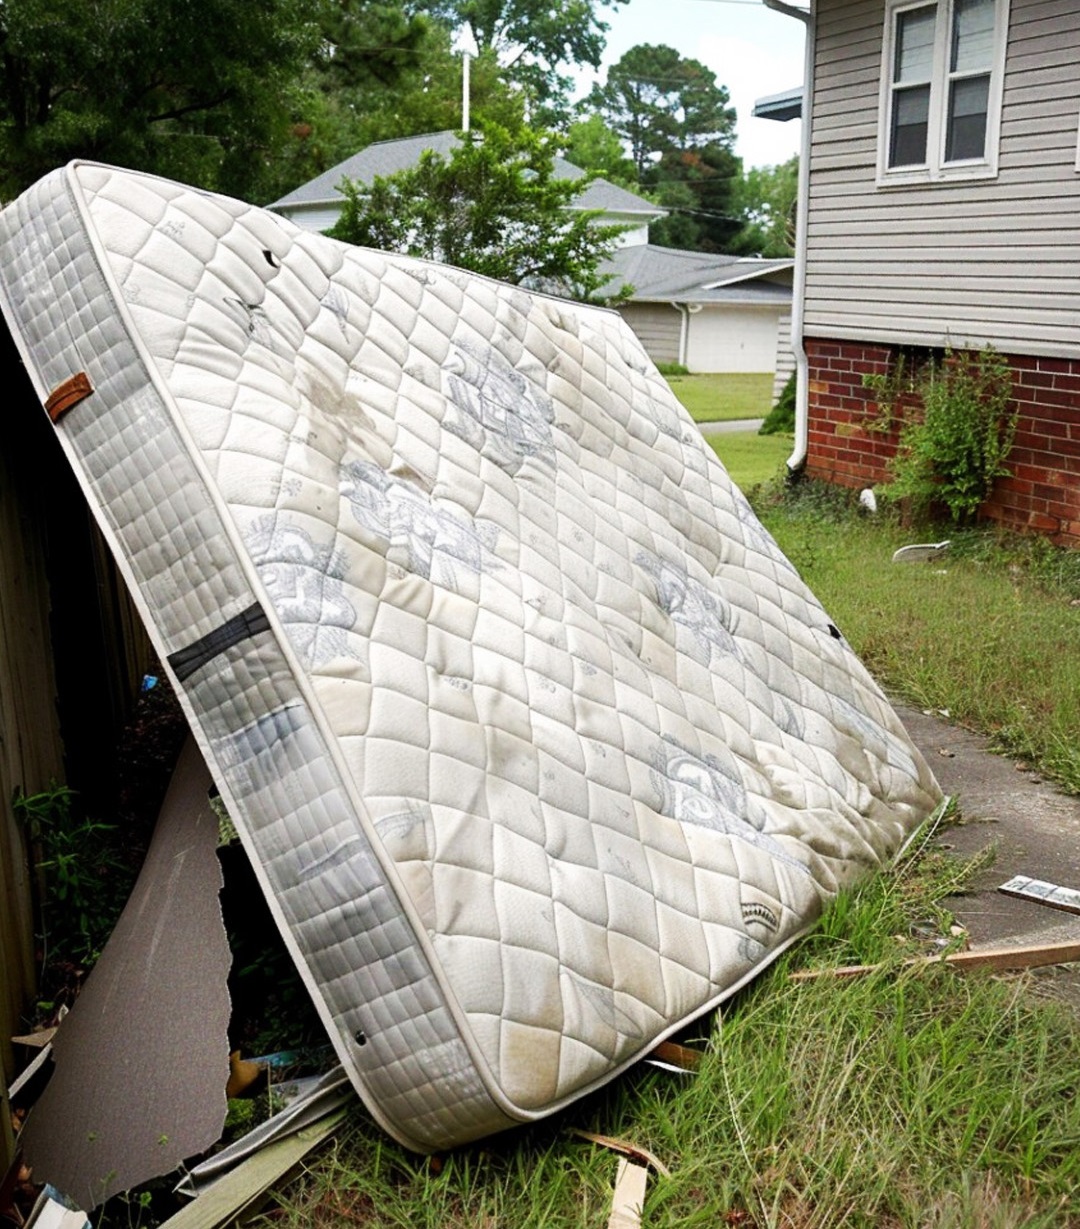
(388, 157)
(672, 275)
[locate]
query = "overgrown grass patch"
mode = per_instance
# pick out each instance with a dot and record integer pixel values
(724, 397)
(989, 633)
(908, 1098)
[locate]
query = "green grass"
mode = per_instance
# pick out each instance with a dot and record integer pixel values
(908, 1098)
(724, 398)
(990, 633)
(751, 459)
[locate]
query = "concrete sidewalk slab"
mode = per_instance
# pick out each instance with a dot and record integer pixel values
(1034, 826)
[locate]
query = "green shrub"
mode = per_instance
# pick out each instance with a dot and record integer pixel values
(952, 448)
(781, 418)
(673, 369)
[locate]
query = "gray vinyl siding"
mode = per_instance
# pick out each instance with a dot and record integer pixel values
(960, 262)
(657, 326)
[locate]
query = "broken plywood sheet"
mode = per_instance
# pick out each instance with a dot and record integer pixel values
(143, 1057)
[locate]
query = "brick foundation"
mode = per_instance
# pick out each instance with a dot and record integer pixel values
(1041, 495)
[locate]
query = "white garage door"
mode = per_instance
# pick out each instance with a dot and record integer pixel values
(733, 339)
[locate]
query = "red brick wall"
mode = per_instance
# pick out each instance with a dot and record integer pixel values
(1043, 492)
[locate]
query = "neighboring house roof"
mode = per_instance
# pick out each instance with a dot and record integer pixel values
(670, 275)
(388, 157)
(785, 106)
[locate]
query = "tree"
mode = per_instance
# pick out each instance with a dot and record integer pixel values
(339, 113)
(765, 198)
(675, 120)
(194, 89)
(698, 185)
(591, 145)
(658, 103)
(532, 39)
(494, 207)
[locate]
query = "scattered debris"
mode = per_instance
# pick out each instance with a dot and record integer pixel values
(670, 1056)
(628, 1199)
(642, 1155)
(225, 1201)
(243, 1073)
(53, 1211)
(142, 1058)
(921, 553)
(1032, 956)
(1020, 886)
(36, 1040)
(631, 1178)
(318, 1097)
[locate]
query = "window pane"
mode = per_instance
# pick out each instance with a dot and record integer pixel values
(972, 35)
(914, 45)
(911, 115)
(966, 136)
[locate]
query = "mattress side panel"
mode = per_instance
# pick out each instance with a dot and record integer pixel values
(344, 924)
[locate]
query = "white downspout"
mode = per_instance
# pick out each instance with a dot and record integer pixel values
(684, 331)
(802, 211)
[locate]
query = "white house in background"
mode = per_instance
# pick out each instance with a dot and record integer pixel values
(316, 204)
(706, 311)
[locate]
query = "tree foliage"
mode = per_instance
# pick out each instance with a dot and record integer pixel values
(765, 198)
(591, 145)
(494, 206)
(336, 116)
(532, 40)
(195, 89)
(659, 102)
(698, 186)
(675, 120)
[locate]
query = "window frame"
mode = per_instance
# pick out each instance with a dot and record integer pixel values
(935, 169)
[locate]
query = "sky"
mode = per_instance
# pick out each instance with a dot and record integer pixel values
(753, 51)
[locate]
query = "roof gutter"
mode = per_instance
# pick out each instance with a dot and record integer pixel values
(798, 296)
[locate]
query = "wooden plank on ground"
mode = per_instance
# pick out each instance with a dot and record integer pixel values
(631, 1183)
(1030, 956)
(675, 1055)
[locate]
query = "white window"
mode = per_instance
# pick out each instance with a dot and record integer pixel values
(941, 89)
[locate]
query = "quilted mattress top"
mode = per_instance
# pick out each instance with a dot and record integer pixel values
(538, 743)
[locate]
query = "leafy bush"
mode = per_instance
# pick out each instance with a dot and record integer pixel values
(84, 882)
(673, 369)
(953, 448)
(781, 418)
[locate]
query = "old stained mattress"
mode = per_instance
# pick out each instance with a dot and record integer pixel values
(538, 744)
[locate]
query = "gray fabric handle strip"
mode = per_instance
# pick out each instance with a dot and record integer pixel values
(249, 622)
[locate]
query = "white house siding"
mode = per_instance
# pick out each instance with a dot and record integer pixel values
(741, 338)
(313, 218)
(785, 355)
(657, 326)
(965, 262)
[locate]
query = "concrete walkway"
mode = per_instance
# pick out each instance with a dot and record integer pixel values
(1036, 831)
(724, 428)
